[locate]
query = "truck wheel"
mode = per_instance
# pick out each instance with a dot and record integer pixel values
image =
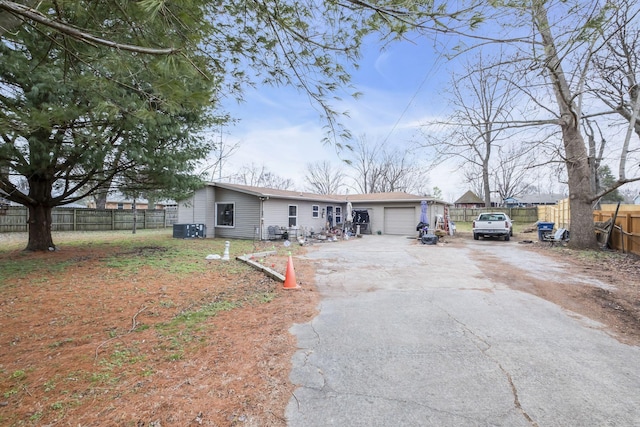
(506, 238)
(475, 236)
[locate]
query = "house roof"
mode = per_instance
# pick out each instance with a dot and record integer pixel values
(140, 201)
(335, 198)
(469, 197)
(536, 199)
(273, 192)
(386, 197)
(118, 197)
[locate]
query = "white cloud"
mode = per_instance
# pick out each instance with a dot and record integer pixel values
(381, 63)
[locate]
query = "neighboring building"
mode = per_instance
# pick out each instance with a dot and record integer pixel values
(143, 204)
(469, 200)
(636, 200)
(73, 206)
(533, 200)
(243, 212)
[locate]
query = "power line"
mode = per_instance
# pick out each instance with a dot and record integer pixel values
(428, 74)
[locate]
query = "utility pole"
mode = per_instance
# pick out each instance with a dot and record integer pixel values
(220, 156)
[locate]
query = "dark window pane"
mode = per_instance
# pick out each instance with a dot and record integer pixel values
(224, 214)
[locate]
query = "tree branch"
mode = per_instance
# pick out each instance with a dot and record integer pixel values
(25, 12)
(615, 185)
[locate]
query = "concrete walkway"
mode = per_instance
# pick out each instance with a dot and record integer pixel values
(416, 335)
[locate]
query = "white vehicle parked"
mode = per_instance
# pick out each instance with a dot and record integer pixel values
(492, 224)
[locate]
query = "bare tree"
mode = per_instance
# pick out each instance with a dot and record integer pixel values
(617, 85)
(511, 176)
(473, 178)
(259, 176)
(483, 100)
(513, 171)
(219, 155)
(400, 172)
(436, 192)
(569, 113)
(323, 178)
(365, 165)
(596, 146)
(380, 167)
(563, 51)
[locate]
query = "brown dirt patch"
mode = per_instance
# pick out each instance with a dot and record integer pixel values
(86, 346)
(617, 307)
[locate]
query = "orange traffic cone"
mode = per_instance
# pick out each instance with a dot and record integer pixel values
(290, 276)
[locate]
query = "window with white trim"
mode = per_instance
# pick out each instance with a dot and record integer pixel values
(225, 214)
(315, 211)
(338, 215)
(293, 216)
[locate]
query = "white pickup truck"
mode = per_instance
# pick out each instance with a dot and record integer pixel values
(492, 224)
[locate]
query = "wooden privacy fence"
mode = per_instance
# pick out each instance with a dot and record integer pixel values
(14, 219)
(558, 214)
(517, 215)
(626, 233)
(625, 236)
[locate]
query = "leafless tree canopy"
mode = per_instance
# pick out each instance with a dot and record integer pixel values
(324, 178)
(483, 97)
(259, 176)
(379, 168)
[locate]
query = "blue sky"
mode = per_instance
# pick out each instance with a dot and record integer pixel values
(401, 86)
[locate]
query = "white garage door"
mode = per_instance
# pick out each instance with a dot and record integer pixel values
(400, 221)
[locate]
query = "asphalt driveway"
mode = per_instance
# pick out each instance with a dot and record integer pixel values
(419, 335)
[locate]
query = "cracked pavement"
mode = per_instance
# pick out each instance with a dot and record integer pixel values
(417, 335)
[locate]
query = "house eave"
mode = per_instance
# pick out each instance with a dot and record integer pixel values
(267, 193)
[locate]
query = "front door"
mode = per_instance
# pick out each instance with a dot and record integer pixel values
(330, 216)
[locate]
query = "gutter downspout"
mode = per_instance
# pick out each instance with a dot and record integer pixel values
(261, 217)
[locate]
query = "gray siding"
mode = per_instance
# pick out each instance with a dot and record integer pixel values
(197, 209)
(247, 214)
(434, 210)
(276, 213)
(185, 211)
(377, 213)
(306, 219)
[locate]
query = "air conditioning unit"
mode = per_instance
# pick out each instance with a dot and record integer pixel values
(189, 231)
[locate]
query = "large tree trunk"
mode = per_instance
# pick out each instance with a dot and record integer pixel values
(486, 186)
(580, 195)
(40, 229)
(100, 198)
(581, 225)
(40, 189)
